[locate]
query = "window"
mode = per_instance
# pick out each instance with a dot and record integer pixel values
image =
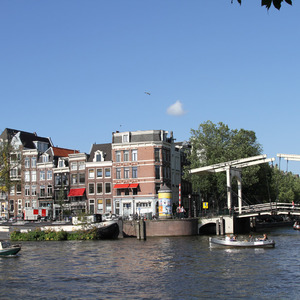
(157, 154)
(65, 179)
(74, 178)
(58, 179)
(33, 162)
(27, 176)
(81, 165)
(157, 172)
(33, 176)
(118, 173)
(42, 175)
(81, 178)
(45, 158)
(49, 175)
(91, 173)
(92, 206)
(33, 190)
(99, 188)
(107, 188)
(100, 205)
(27, 191)
(118, 156)
(126, 172)
(107, 172)
(126, 155)
(42, 191)
(12, 190)
(134, 172)
(134, 155)
(98, 156)
(91, 188)
(125, 138)
(108, 205)
(99, 173)
(61, 163)
(73, 166)
(49, 190)
(27, 162)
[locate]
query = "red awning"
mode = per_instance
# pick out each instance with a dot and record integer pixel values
(121, 186)
(76, 192)
(133, 185)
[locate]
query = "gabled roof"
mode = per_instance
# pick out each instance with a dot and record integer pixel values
(62, 152)
(27, 138)
(105, 148)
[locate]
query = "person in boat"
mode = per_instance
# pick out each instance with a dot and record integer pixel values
(250, 239)
(234, 238)
(227, 238)
(264, 238)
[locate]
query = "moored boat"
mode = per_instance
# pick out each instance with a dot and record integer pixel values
(296, 226)
(6, 249)
(236, 243)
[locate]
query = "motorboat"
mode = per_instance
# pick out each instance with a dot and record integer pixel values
(6, 249)
(239, 244)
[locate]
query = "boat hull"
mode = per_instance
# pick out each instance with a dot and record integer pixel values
(110, 231)
(242, 244)
(10, 251)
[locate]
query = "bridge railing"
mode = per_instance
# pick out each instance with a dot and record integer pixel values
(268, 207)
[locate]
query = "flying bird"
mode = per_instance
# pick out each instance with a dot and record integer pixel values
(147, 93)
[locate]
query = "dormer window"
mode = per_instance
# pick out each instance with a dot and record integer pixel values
(45, 158)
(61, 163)
(125, 138)
(99, 156)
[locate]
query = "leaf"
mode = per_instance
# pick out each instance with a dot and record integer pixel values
(288, 2)
(266, 3)
(277, 4)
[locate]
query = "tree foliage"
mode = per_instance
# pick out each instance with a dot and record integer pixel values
(268, 3)
(216, 143)
(9, 160)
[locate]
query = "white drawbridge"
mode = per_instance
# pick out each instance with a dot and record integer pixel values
(233, 170)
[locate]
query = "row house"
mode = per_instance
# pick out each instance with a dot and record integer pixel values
(28, 147)
(53, 180)
(99, 179)
(143, 161)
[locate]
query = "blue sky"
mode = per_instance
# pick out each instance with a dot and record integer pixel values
(77, 70)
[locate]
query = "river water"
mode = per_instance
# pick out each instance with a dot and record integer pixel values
(158, 268)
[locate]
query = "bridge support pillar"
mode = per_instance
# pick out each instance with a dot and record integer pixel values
(222, 226)
(217, 227)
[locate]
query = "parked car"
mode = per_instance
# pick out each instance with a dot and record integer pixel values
(109, 217)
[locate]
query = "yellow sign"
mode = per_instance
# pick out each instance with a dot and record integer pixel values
(205, 205)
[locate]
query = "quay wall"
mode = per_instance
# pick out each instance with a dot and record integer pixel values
(163, 227)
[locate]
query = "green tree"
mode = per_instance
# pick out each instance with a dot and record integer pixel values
(10, 166)
(268, 3)
(286, 186)
(216, 143)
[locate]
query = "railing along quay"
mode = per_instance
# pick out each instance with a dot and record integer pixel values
(269, 208)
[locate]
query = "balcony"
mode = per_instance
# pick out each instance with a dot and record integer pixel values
(45, 195)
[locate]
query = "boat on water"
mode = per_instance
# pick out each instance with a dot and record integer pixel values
(6, 249)
(241, 244)
(296, 226)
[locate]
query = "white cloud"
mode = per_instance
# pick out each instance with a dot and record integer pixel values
(176, 109)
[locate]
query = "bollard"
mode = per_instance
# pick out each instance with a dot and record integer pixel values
(142, 230)
(137, 230)
(217, 227)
